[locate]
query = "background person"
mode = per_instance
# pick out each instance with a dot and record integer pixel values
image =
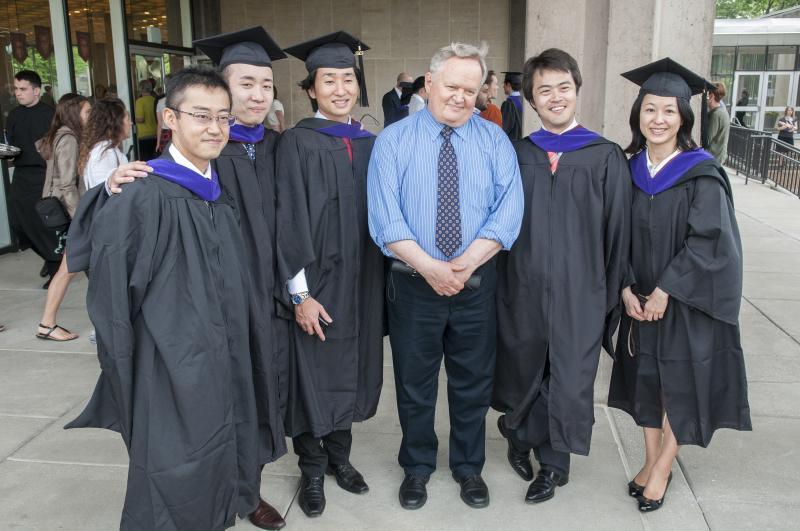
(392, 108)
(719, 124)
(27, 123)
(100, 154)
(679, 367)
(275, 117)
(491, 111)
(419, 96)
(787, 126)
(60, 149)
(145, 114)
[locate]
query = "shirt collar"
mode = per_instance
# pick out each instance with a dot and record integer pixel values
(417, 96)
(653, 169)
(178, 157)
(572, 126)
(323, 117)
(399, 92)
(434, 128)
(514, 93)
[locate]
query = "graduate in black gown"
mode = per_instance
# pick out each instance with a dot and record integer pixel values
(169, 297)
(679, 368)
(558, 287)
(246, 169)
(26, 124)
(511, 109)
(335, 272)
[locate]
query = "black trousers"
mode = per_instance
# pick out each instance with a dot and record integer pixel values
(27, 226)
(423, 327)
(534, 432)
(314, 453)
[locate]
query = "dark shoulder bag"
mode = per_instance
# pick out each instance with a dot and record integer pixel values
(51, 210)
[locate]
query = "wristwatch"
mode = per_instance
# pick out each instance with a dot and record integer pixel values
(298, 298)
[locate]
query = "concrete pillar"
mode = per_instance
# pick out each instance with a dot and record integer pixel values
(608, 37)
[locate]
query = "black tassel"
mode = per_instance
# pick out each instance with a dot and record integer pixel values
(704, 120)
(362, 82)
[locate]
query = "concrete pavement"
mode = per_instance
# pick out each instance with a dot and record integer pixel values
(56, 479)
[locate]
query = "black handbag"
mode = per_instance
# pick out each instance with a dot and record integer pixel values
(53, 213)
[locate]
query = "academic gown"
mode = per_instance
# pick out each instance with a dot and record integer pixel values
(168, 296)
(685, 240)
(511, 112)
(249, 187)
(322, 227)
(558, 287)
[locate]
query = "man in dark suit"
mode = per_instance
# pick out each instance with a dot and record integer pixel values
(392, 109)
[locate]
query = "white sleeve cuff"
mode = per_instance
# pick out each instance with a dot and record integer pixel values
(298, 284)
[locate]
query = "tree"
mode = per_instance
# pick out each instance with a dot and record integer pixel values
(751, 8)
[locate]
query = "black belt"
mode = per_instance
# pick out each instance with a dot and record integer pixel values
(398, 266)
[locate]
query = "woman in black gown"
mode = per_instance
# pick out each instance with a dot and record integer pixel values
(679, 369)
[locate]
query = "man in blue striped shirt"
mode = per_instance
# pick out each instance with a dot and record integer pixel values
(445, 195)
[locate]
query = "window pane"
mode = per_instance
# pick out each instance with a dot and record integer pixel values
(92, 48)
(746, 118)
(778, 86)
(722, 60)
(748, 90)
(751, 58)
(781, 57)
(154, 21)
(770, 117)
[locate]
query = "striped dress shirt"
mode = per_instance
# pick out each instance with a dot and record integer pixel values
(402, 184)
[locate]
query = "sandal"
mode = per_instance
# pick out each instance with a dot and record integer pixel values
(50, 329)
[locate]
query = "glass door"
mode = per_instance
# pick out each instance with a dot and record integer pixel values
(747, 92)
(777, 96)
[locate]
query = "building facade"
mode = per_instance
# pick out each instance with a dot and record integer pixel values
(96, 47)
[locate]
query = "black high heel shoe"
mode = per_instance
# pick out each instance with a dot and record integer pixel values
(634, 489)
(646, 505)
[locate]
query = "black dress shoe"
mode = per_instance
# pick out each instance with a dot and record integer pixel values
(267, 517)
(312, 495)
(544, 486)
(44, 271)
(413, 493)
(348, 478)
(647, 505)
(474, 491)
(520, 461)
(634, 489)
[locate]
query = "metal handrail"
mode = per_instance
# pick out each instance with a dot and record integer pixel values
(759, 155)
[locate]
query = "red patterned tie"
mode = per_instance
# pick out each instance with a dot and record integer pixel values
(553, 156)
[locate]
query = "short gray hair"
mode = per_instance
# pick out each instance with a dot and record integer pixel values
(464, 51)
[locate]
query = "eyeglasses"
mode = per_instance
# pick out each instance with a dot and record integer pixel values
(204, 118)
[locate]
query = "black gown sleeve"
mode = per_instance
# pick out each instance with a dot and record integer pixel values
(707, 272)
(294, 239)
(617, 215)
(123, 239)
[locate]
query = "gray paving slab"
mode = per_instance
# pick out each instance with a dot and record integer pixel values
(774, 399)
(16, 431)
(784, 313)
(92, 446)
(751, 516)
(43, 497)
(44, 383)
(780, 286)
(761, 466)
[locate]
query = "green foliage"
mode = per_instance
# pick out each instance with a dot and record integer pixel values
(751, 8)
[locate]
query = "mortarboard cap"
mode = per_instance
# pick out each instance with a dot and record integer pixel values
(512, 77)
(666, 77)
(334, 50)
(251, 46)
